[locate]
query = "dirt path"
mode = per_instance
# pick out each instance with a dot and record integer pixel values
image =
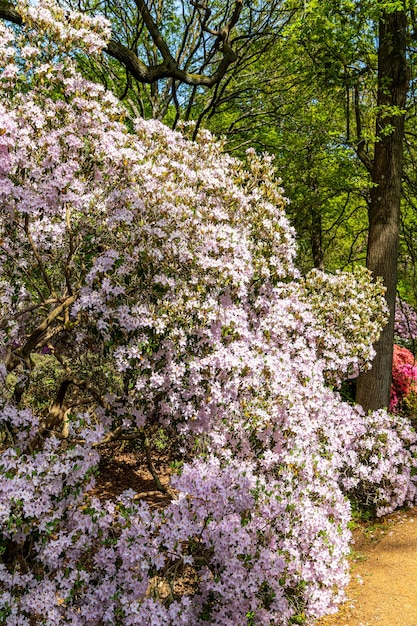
(383, 590)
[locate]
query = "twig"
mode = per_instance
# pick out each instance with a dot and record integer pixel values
(71, 250)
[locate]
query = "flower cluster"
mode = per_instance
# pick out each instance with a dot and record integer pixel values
(147, 282)
(66, 29)
(383, 462)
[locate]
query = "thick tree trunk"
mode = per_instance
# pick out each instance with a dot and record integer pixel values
(373, 388)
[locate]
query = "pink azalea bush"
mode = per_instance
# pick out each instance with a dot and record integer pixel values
(404, 377)
(149, 281)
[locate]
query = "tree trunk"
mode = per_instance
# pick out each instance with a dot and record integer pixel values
(373, 388)
(317, 238)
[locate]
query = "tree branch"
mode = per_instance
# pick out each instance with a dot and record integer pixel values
(67, 269)
(22, 353)
(38, 257)
(9, 13)
(154, 32)
(55, 416)
(5, 320)
(162, 488)
(169, 67)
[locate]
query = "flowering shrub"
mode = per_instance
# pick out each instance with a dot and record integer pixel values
(383, 464)
(404, 376)
(148, 281)
(349, 311)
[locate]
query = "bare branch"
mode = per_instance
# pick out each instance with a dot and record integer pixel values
(80, 383)
(57, 409)
(112, 435)
(170, 69)
(151, 468)
(67, 269)
(9, 13)
(55, 416)
(5, 320)
(154, 32)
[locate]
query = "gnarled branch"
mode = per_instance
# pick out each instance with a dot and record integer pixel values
(169, 67)
(22, 353)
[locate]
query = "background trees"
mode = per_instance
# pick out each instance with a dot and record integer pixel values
(385, 195)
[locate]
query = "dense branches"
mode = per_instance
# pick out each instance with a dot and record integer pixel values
(169, 66)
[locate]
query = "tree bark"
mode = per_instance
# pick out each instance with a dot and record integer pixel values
(373, 388)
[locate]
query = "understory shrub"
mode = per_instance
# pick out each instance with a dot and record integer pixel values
(148, 282)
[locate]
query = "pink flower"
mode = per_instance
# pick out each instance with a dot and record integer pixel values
(404, 376)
